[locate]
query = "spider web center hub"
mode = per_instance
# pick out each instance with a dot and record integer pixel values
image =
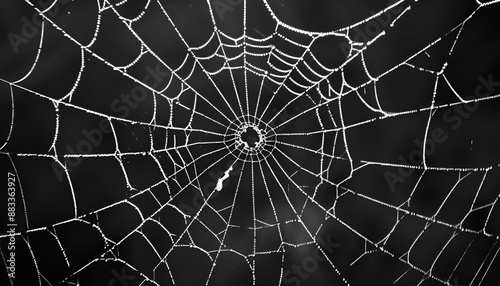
(250, 139)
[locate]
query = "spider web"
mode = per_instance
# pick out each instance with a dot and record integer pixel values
(254, 142)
